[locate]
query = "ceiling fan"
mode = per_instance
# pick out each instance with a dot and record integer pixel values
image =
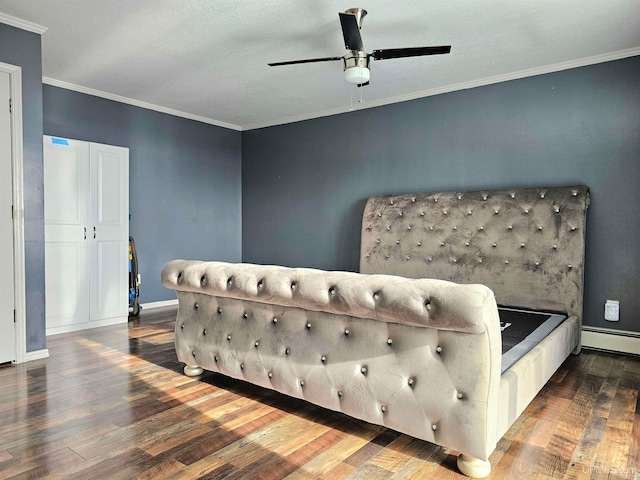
(356, 60)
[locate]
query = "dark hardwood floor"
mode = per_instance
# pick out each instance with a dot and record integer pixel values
(113, 403)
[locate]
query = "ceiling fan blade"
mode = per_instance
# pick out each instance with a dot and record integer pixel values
(309, 60)
(351, 32)
(409, 52)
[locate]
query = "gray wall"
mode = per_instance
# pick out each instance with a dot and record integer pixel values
(184, 179)
(305, 184)
(23, 49)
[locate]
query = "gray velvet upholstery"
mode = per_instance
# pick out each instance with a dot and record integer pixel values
(413, 341)
(527, 245)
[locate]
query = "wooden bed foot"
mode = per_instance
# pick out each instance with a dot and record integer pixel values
(193, 370)
(474, 467)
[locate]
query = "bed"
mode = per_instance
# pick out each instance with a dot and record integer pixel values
(415, 340)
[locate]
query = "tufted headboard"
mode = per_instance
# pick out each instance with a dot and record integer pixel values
(527, 244)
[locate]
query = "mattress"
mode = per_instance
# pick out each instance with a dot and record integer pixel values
(522, 330)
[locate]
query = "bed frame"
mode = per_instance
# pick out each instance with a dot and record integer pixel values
(411, 342)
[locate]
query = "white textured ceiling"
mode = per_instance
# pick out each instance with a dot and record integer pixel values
(207, 59)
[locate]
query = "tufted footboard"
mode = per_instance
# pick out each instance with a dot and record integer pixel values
(419, 356)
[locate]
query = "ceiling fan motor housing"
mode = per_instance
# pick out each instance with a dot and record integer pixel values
(356, 67)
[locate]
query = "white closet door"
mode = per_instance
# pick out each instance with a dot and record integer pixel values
(109, 214)
(7, 299)
(66, 206)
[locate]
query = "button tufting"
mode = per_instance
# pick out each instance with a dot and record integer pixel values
(230, 281)
(496, 211)
(434, 427)
(193, 353)
(204, 332)
(229, 337)
(376, 296)
(383, 408)
(242, 366)
(323, 359)
(182, 326)
(275, 320)
(363, 370)
(219, 310)
(293, 285)
(389, 341)
(203, 280)
(346, 331)
(308, 326)
(256, 343)
(460, 396)
(287, 351)
(260, 284)
(245, 315)
(215, 358)
(339, 393)
(302, 383)
(332, 290)
(439, 349)
(411, 381)
(270, 374)
(419, 244)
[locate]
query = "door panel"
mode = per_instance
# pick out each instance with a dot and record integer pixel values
(7, 298)
(110, 219)
(66, 193)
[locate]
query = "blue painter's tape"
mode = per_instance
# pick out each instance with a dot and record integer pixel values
(60, 141)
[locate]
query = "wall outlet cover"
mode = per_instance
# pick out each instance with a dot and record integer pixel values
(612, 310)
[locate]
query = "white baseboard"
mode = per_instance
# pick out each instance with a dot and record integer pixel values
(36, 355)
(86, 325)
(620, 341)
(161, 304)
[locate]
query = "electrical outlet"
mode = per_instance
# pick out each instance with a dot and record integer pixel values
(612, 310)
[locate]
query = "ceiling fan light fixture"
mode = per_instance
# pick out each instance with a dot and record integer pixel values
(357, 75)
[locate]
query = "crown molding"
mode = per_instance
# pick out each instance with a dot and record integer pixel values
(557, 67)
(137, 103)
(23, 24)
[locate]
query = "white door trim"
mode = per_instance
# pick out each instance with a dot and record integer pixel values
(15, 81)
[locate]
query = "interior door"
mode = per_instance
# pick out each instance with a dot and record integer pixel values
(66, 206)
(7, 299)
(109, 258)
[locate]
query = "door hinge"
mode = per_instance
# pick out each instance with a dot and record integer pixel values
(14, 315)
(13, 213)
(11, 105)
